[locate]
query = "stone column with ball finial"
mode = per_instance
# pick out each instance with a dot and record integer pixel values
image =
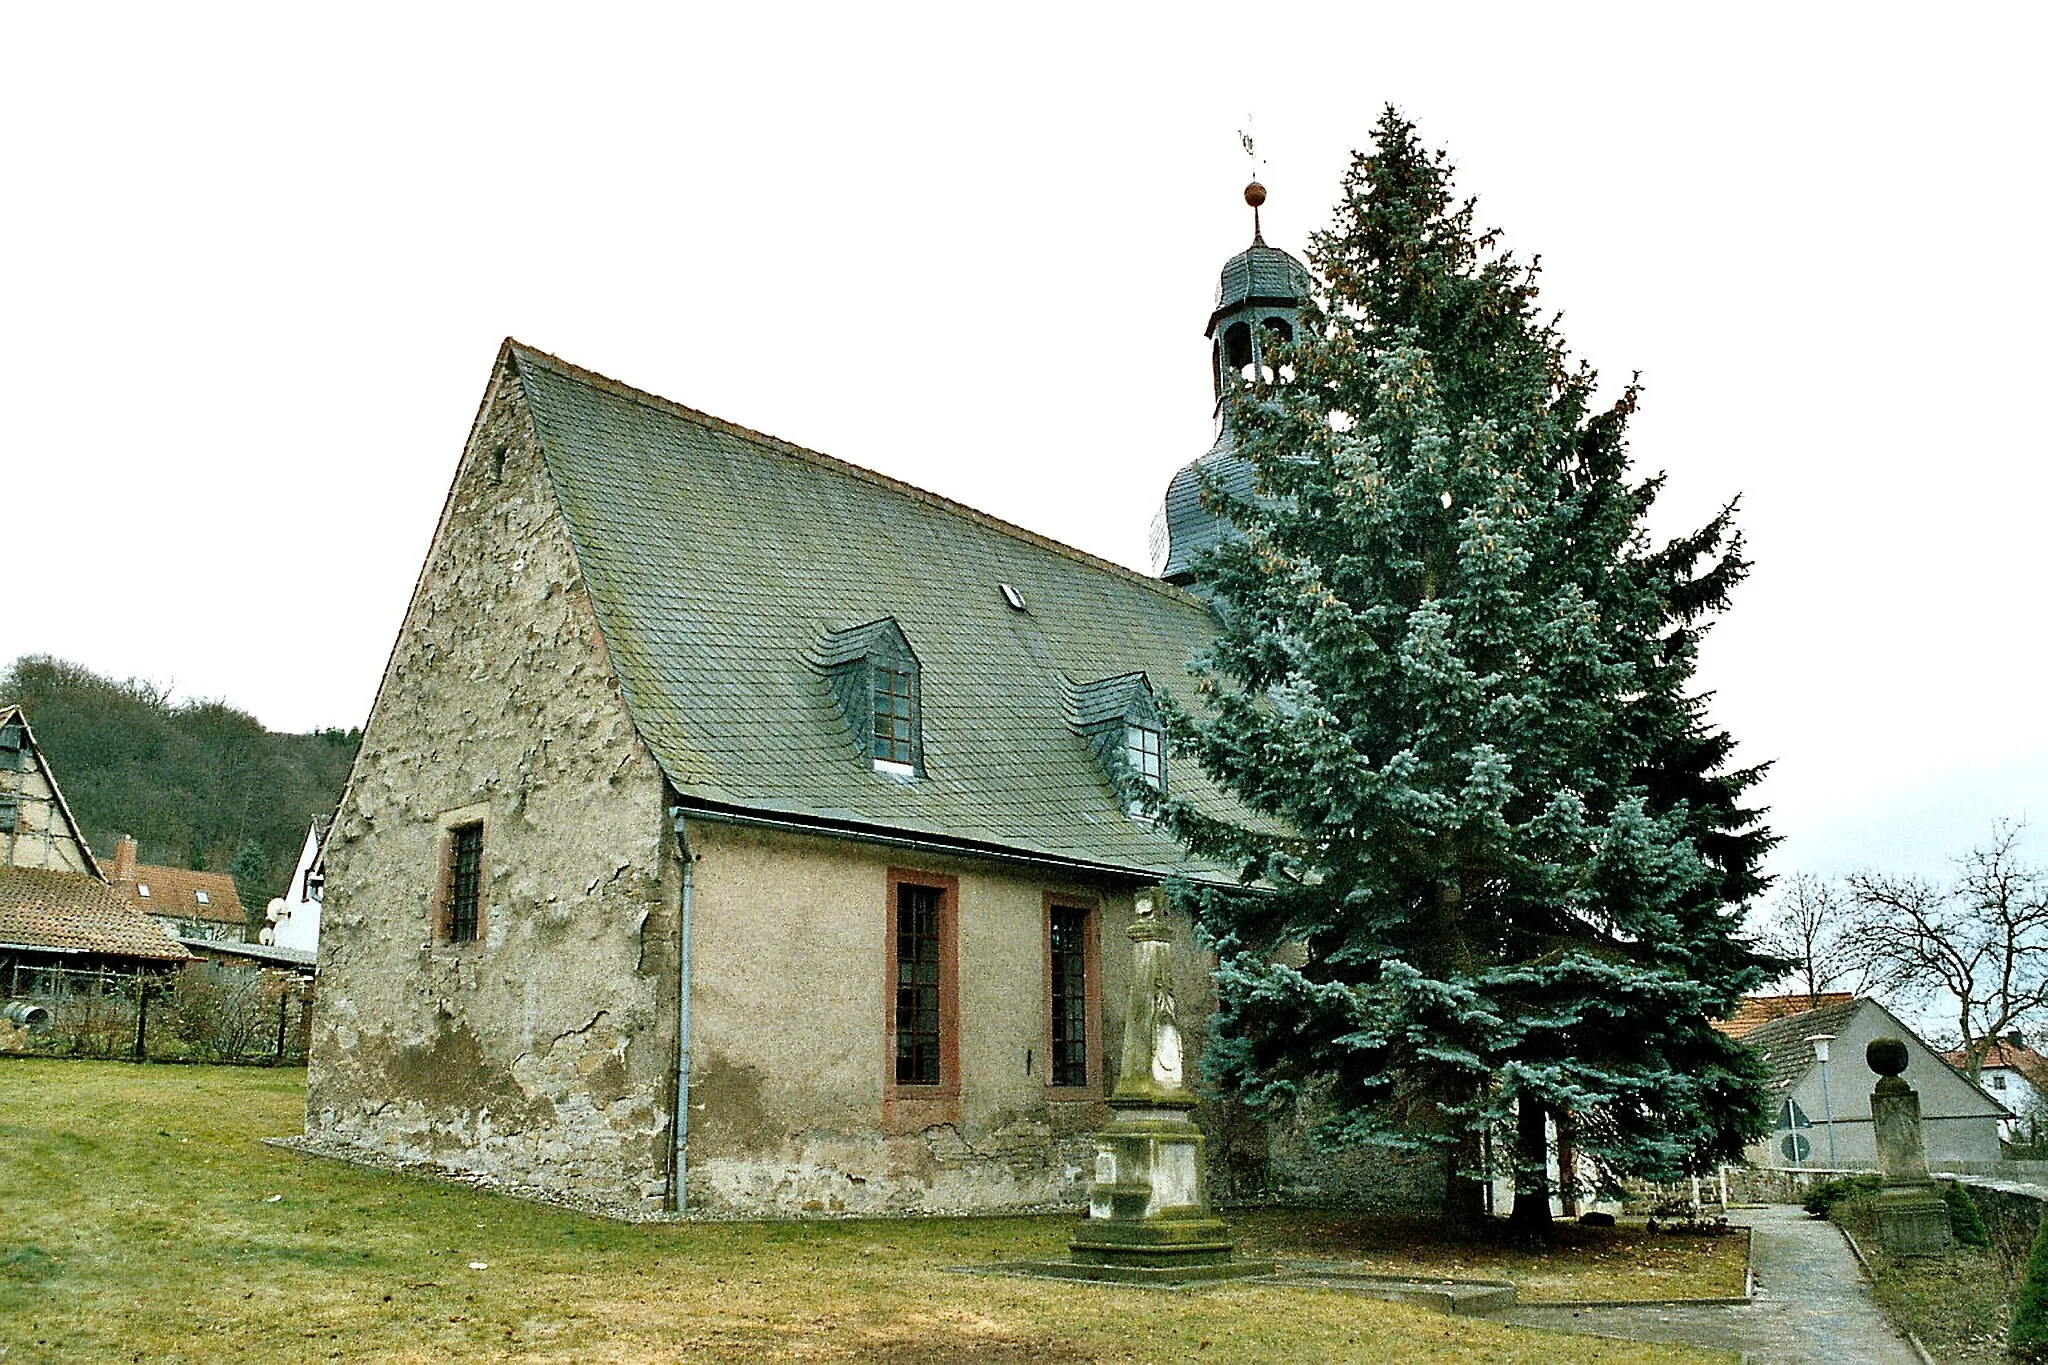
(1148, 1207)
(1912, 1218)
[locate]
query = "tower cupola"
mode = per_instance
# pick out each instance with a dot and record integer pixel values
(1258, 300)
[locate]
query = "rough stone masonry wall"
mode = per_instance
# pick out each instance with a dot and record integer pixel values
(543, 1054)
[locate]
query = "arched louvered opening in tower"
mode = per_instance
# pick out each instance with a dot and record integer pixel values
(1237, 348)
(1280, 330)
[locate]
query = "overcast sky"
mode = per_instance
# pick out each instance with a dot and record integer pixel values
(257, 263)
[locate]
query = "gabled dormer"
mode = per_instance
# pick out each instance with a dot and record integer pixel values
(875, 675)
(1120, 720)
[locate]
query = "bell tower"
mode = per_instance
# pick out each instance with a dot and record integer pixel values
(1258, 300)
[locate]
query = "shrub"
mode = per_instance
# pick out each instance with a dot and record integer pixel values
(1822, 1198)
(218, 1011)
(2029, 1335)
(1964, 1222)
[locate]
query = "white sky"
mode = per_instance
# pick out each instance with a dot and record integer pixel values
(255, 263)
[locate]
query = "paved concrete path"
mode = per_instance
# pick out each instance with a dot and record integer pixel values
(1812, 1305)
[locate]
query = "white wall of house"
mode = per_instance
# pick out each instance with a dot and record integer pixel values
(293, 919)
(2017, 1096)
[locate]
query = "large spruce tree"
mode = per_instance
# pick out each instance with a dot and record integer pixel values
(1496, 859)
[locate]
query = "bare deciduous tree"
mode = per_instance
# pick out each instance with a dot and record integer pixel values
(1981, 941)
(1812, 925)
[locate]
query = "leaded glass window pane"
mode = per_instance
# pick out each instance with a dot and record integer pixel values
(895, 722)
(1069, 996)
(1145, 752)
(917, 985)
(462, 900)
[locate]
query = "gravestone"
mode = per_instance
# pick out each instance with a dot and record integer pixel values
(1912, 1219)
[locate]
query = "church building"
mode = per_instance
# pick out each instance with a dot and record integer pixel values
(739, 830)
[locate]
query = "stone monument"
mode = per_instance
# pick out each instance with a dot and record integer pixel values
(1912, 1219)
(1148, 1207)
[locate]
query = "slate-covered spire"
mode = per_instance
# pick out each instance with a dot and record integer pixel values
(1258, 297)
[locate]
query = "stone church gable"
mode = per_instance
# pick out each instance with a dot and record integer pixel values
(531, 1041)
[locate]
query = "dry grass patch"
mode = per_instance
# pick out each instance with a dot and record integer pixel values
(141, 1219)
(1580, 1264)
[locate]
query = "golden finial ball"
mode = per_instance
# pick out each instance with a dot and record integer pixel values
(1255, 194)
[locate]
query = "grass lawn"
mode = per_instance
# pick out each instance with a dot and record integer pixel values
(1959, 1305)
(140, 1219)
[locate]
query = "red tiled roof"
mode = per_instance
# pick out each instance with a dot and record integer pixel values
(174, 892)
(2022, 1059)
(1754, 1011)
(74, 912)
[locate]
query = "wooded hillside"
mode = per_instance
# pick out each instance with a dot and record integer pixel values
(198, 783)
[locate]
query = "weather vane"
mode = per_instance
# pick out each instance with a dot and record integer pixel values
(1255, 192)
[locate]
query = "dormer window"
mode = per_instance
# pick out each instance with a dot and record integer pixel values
(1120, 720)
(895, 721)
(876, 678)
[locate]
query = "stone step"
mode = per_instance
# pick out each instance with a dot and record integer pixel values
(1440, 1296)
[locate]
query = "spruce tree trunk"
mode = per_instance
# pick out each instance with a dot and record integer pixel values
(1532, 1175)
(1464, 1160)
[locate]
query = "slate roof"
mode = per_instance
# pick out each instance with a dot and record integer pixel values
(78, 913)
(1259, 274)
(1782, 1041)
(173, 892)
(1192, 528)
(717, 558)
(1752, 1011)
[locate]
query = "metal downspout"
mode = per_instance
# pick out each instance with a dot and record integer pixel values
(682, 1122)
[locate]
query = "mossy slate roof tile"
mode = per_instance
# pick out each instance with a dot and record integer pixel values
(717, 559)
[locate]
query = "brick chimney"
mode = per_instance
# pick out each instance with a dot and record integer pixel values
(124, 860)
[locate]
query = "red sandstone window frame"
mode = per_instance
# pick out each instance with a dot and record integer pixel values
(441, 913)
(908, 1106)
(1091, 976)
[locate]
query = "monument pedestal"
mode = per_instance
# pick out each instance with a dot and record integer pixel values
(1912, 1217)
(1912, 1220)
(1147, 1206)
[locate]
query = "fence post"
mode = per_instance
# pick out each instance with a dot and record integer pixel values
(141, 1017)
(284, 1000)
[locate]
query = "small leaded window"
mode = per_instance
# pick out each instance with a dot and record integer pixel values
(1069, 996)
(466, 884)
(917, 985)
(895, 718)
(10, 812)
(1145, 752)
